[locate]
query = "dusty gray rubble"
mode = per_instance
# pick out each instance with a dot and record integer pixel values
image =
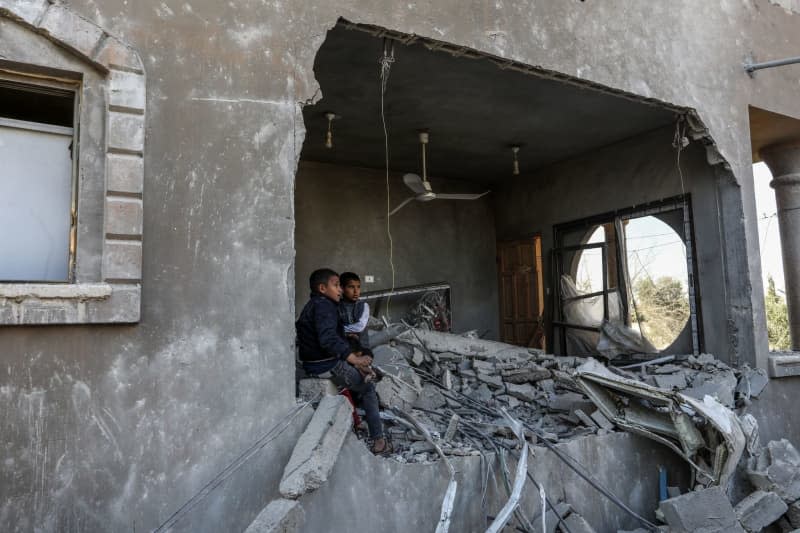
(442, 395)
(436, 375)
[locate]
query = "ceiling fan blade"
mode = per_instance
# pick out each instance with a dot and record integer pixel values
(414, 183)
(460, 196)
(401, 206)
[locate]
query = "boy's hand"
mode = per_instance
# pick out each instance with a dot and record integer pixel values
(359, 361)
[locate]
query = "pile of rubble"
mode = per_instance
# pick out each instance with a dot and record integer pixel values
(454, 395)
(774, 471)
(442, 379)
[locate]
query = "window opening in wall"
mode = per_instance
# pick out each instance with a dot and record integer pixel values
(656, 261)
(37, 189)
(624, 283)
(771, 260)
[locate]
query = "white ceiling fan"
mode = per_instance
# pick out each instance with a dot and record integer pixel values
(422, 187)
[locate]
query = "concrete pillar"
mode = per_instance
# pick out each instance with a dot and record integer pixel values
(783, 161)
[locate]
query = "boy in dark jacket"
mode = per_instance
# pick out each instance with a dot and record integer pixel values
(326, 353)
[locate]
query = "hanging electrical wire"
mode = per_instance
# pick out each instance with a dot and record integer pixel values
(386, 61)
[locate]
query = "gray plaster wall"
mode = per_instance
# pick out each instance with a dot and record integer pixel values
(113, 428)
(341, 223)
(775, 411)
(365, 492)
(627, 174)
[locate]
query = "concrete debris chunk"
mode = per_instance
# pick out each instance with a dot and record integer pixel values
(759, 510)
(793, 514)
(493, 382)
(586, 419)
(602, 421)
(577, 524)
(526, 392)
(781, 475)
(569, 402)
(671, 381)
(430, 398)
(719, 386)
(707, 508)
(311, 389)
(280, 516)
(782, 450)
(317, 448)
(753, 382)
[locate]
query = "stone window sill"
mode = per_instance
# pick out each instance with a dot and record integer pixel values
(82, 303)
(784, 364)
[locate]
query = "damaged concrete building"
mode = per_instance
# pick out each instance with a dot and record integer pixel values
(172, 172)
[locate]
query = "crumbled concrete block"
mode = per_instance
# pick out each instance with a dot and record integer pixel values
(447, 379)
(782, 450)
(568, 402)
(526, 375)
(578, 524)
(752, 382)
(759, 510)
(280, 516)
(551, 520)
(417, 357)
(526, 393)
(720, 386)
(586, 419)
(313, 388)
(707, 508)
(430, 398)
(671, 381)
(394, 392)
(793, 514)
(673, 492)
(392, 361)
(317, 448)
(452, 427)
(494, 382)
(780, 477)
(602, 421)
(509, 401)
(481, 394)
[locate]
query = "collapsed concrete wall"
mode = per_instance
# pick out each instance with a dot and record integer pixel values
(115, 427)
(341, 222)
(364, 489)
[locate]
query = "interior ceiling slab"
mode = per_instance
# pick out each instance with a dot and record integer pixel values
(473, 109)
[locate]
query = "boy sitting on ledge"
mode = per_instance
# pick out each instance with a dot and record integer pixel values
(326, 353)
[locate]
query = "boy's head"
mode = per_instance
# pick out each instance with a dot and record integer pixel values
(351, 286)
(325, 281)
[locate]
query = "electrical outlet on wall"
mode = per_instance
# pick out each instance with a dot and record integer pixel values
(368, 278)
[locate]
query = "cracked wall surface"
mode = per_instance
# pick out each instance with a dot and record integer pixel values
(115, 427)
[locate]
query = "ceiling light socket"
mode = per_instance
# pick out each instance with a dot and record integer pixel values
(515, 151)
(331, 116)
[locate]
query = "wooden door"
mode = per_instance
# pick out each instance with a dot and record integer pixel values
(519, 268)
